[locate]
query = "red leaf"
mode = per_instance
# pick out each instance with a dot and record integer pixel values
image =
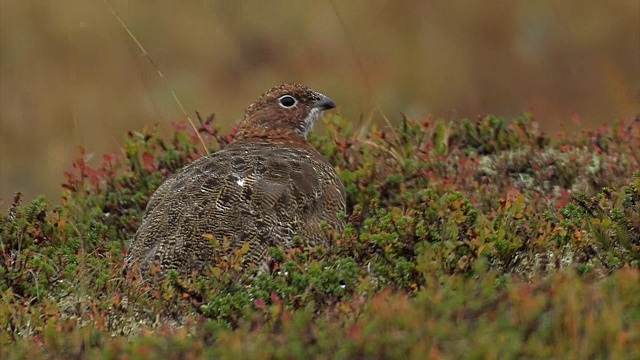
(564, 199)
(275, 298)
(148, 160)
(575, 118)
(109, 159)
(259, 303)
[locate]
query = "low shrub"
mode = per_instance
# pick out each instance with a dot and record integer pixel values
(478, 238)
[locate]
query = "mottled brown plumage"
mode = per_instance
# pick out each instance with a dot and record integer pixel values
(264, 188)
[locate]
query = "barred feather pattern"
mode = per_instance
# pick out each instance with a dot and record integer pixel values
(265, 188)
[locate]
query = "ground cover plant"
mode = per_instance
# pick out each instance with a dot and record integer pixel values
(478, 239)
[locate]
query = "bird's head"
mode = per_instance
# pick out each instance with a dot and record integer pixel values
(285, 111)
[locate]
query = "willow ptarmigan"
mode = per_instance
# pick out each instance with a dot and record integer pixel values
(267, 186)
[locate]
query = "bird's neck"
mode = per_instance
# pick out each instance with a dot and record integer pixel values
(273, 135)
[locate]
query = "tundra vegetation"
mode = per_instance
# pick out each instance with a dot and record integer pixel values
(476, 238)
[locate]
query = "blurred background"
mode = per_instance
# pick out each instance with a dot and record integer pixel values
(70, 75)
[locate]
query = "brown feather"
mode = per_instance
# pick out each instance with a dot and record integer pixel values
(263, 189)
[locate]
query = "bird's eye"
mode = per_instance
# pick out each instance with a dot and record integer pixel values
(287, 101)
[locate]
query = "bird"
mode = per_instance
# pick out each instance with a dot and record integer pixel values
(269, 187)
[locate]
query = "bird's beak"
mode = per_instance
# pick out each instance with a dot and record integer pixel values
(325, 103)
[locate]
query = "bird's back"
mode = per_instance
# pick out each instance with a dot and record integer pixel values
(256, 192)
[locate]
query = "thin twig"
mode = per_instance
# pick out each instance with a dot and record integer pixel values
(153, 63)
